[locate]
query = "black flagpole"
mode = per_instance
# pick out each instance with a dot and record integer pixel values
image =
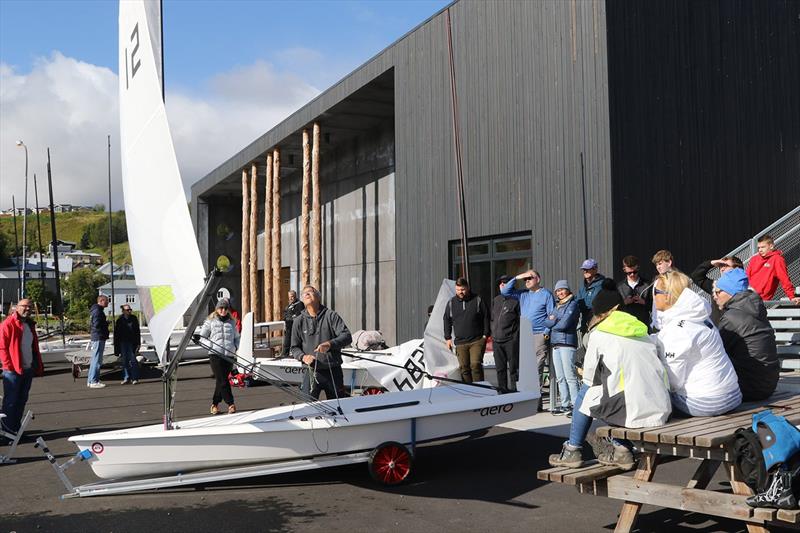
(54, 244)
(110, 240)
(16, 247)
(41, 252)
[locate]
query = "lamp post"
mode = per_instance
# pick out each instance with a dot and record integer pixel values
(24, 221)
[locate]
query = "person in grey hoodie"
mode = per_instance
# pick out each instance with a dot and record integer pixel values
(318, 336)
(747, 335)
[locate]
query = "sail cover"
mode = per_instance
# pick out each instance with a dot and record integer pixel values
(169, 271)
(405, 367)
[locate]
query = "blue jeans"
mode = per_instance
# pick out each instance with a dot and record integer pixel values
(130, 366)
(581, 423)
(15, 395)
(565, 374)
(97, 348)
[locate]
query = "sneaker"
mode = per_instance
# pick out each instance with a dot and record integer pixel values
(570, 457)
(124, 382)
(231, 409)
(134, 382)
(558, 411)
(214, 410)
(96, 385)
(569, 413)
(618, 456)
(778, 495)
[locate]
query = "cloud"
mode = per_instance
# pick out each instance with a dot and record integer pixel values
(70, 106)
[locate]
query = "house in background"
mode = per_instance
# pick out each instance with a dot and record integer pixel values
(123, 271)
(124, 293)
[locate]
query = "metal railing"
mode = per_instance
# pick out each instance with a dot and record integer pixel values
(786, 233)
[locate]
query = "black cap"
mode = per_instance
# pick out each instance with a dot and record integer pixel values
(503, 279)
(606, 298)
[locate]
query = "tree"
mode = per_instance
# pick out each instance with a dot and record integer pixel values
(97, 232)
(81, 291)
(35, 290)
(5, 250)
(99, 208)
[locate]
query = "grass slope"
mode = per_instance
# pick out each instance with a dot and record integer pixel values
(69, 226)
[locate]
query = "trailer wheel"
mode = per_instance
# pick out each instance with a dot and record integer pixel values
(369, 391)
(390, 463)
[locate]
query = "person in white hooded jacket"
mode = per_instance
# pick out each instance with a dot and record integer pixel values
(702, 379)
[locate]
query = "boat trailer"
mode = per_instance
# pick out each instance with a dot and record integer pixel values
(389, 464)
(14, 438)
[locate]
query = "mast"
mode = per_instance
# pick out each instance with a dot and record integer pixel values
(41, 251)
(16, 246)
(110, 235)
(457, 142)
(55, 249)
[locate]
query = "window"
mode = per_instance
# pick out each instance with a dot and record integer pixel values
(490, 258)
(130, 298)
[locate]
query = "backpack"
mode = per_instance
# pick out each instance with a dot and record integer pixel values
(771, 440)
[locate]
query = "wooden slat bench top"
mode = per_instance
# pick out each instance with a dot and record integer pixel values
(591, 471)
(704, 432)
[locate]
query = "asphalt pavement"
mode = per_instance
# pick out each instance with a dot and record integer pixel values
(485, 483)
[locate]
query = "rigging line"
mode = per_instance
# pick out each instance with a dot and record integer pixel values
(283, 385)
(333, 384)
(424, 372)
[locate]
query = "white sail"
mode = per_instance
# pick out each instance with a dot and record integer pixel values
(169, 271)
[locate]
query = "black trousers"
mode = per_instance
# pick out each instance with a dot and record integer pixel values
(287, 338)
(330, 380)
(506, 363)
(222, 387)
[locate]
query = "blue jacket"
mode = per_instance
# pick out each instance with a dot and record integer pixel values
(535, 306)
(564, 327)
(585, 296)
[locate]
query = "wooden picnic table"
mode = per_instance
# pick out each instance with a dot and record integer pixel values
(707, 439)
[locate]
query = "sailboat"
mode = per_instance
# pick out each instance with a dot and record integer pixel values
(169, 276)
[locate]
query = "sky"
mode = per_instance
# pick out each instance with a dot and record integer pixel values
(232, 70)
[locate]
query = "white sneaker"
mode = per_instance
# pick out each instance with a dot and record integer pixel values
(96, 385)
(134, 382)
(124, 382)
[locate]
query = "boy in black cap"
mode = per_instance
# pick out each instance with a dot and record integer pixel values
(505, 338)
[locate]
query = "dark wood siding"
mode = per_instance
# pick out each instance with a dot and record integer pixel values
(530, 103)
(705, 122)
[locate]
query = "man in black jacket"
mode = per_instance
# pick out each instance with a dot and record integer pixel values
(98, 327)
(466, 324)
(127, 339)
(505, 338)
(636, 297)
(318, 336)
(291, 312)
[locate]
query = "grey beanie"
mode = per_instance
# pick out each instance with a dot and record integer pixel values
(562, 284)
(223, 302)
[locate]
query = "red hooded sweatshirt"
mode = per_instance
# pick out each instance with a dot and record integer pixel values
(764, 274)
(10, 352)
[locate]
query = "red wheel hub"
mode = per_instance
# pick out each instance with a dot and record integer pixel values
(391, 464)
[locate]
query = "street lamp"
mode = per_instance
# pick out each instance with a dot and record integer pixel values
(24, 221)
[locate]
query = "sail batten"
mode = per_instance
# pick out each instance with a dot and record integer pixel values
(169, 270)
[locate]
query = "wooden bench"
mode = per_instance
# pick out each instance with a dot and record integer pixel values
(706, 439)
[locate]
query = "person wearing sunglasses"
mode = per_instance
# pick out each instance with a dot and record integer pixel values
(747, 335)
(633, 288)
(702, 379)
(127, 340)
(700, 274)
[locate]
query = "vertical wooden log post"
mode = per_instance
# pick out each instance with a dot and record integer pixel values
(276, 235)
(304, 213)
(253, 255)
(268, 243)
(316, 217)
(245, 263)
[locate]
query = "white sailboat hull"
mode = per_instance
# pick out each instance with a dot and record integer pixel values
(293, 432)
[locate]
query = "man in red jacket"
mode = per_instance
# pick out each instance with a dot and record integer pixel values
(767, 268)
(19, 353)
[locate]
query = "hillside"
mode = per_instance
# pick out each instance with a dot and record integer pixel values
(69, 226)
